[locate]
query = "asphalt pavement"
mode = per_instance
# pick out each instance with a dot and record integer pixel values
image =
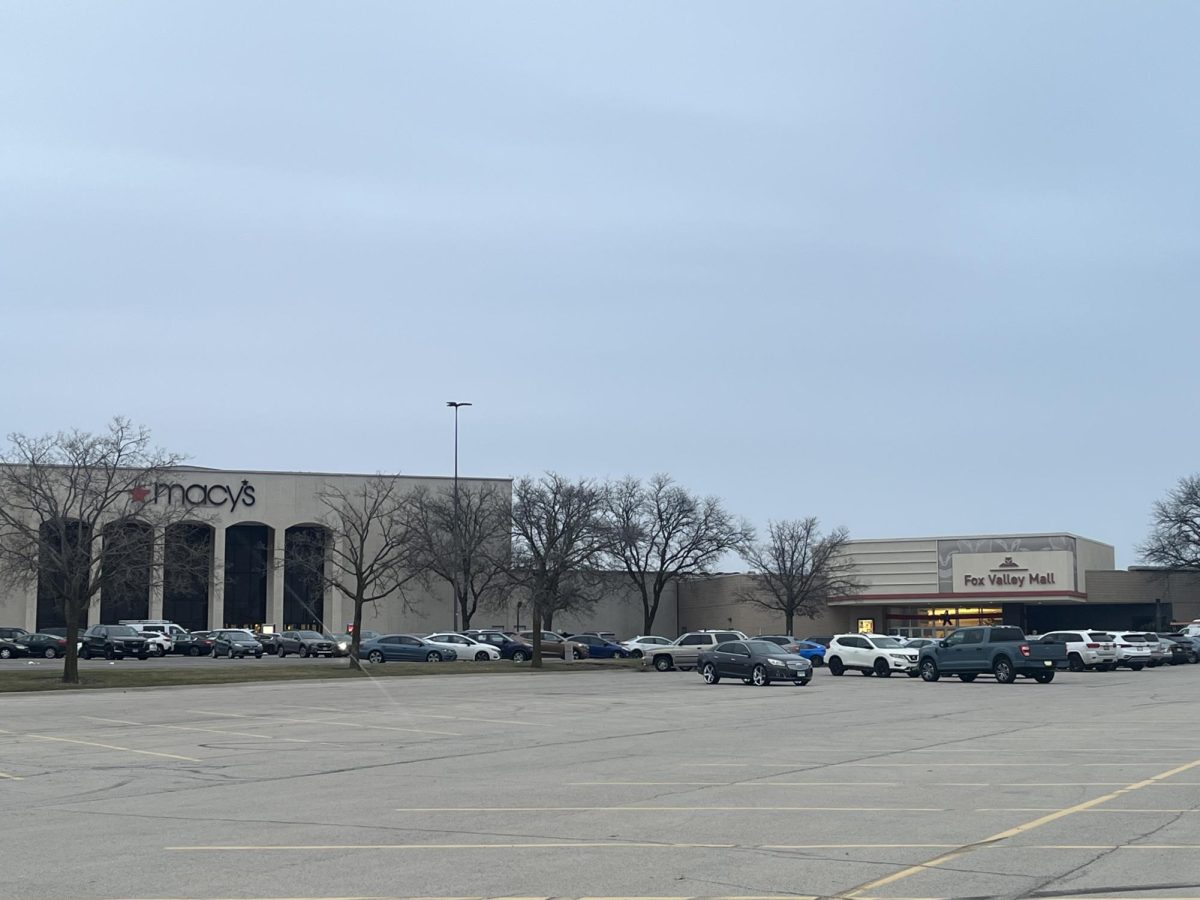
(607, 784)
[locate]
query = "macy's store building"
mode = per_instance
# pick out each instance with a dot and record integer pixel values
(248, 524)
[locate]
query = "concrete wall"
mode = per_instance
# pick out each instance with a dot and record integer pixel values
(895, 567)
(710, 603)
(1092, 556)
(1180, 589)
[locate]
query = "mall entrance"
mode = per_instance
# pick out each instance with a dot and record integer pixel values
(938, 621)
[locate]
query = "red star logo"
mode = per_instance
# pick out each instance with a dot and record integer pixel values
(139, 494)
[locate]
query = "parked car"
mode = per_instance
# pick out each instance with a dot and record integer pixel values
(1176, 653)
(270, 641)
(195, 644)
(235, 642)
(511, 646)
(465, 647)
(822, 639)
(12, 649)
(610, 636)
(1001, 650)
(409, 647)
(644, 643)
(683, 652)
(600, 648)
(44, 645)
(755, 662)
(870, 654)
(1133, 651)
(918, 643)
(1190, 645)
(1086, 649)
(305, 644)
(114, 642)
(14, 634)
(813, 652)
(164, 627)
(157, 643)
(556, 645)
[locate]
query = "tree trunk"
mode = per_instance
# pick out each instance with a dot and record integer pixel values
(789, 618)
(650, 610)
(71, 660)
(537, 637)
(464, 612)
(356, 636)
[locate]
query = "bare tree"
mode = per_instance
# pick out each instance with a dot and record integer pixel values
(365, 553)
(797, 570)
(477, 569)
(558, 536)
(661, 534)
(1174, 542)
(77, 518)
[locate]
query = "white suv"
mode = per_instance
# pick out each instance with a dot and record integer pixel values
(1134, 651)
(871, 654)
(1087, 649)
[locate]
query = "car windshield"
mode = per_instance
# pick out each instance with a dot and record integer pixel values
(309, 635)
(886, 643)
(121, 631)
(239, 636)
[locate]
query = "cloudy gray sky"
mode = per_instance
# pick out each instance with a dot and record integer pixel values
(914, 268)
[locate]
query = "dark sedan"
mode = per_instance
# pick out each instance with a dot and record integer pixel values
(406, 647)
(10, 649)
(510, 646)
(600, 648)
(235, 642)
(306, 643)
(1179, 648)
(46, 645)
(755, 662)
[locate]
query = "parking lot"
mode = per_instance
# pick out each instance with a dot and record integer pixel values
(607, 784)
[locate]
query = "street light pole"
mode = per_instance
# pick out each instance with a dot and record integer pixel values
(455, 537)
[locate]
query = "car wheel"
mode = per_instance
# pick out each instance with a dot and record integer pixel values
(1075, 662)
(303, 652)
(375, 656)
(835, 666)
(258, 655)
(281, 653)
(882, 669)
(193, 651)
(162, 651)
(968, 677)
(520, 656)
(481, 656)
(662, 663)
(1002, 668)
(759, 676)
(929, 670)
(433, 656)
(85, 652)
(109, 653)
(636, 654)
(50, 653)
(1137, 667)
(1043, 677)
(5, 653)
(710, 674)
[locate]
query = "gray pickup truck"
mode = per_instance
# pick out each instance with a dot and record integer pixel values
(1002, 651)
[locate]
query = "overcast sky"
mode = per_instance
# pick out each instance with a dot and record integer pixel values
(914, 268)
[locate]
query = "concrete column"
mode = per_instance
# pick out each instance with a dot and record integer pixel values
(28, 595)
(157, 550)
(216, 580)
(275, 580)
(93, 610)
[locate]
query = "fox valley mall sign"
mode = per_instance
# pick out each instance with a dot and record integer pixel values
(222, 496)
(1038, 570)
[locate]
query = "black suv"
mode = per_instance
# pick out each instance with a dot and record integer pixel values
(113, 642)
(305, 643)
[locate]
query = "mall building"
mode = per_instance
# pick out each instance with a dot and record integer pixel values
(248, 525)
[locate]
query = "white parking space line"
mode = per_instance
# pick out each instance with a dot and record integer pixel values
(649, 845)
(484, 809)
(418, 715)
(261, 737)
(207, 712)
(757, 783)
(46, 737)
(11, 777)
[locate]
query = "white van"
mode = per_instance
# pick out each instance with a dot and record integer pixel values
(164, 627)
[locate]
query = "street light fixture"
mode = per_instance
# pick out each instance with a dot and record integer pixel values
(456, 405)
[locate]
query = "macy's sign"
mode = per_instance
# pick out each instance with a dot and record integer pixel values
(175, 493)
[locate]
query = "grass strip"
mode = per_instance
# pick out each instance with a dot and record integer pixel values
(13, 681)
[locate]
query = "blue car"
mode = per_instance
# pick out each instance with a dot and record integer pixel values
(599, 648)
(405, 647)
(810, 650)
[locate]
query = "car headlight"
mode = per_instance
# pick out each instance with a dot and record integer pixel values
(775, 662)
(342, 645)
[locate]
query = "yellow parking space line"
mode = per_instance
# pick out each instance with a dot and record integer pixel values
(46, 737)
(261, 737)
(206, 712)
(857, 892)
